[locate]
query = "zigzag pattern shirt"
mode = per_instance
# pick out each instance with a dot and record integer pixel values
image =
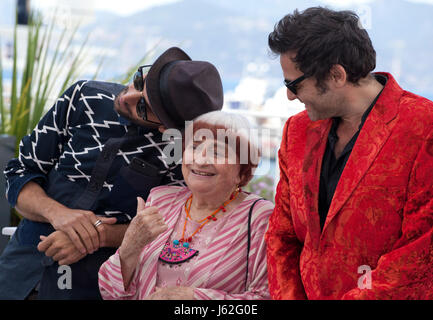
(67, 141)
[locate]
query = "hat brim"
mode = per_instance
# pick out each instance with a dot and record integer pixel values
(152, 83)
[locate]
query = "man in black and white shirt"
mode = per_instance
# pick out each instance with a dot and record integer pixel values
(78, 174)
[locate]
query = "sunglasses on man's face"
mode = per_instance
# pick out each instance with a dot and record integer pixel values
(142, 105)
(292, 85)
(138, 78)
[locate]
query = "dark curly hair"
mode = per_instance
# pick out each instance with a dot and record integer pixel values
(322, 38)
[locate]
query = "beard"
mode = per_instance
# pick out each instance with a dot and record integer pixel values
(328, 107)
(316, 113)
(123, 109)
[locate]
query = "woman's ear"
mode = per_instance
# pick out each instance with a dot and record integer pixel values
(241, 180)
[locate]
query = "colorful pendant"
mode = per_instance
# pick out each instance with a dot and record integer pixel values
(177, 252)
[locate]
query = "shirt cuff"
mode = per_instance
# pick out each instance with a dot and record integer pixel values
(18, 183)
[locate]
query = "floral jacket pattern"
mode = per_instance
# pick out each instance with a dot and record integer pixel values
(381, 216)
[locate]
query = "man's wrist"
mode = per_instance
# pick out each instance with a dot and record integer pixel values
(50, 210)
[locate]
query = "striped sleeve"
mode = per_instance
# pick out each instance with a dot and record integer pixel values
(111, 283)
(257, 282)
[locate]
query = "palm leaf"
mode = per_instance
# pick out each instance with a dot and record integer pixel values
(42, 60)
(26, 83)
(2, 111)
(13, 96)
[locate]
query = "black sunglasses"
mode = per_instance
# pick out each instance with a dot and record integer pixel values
(291, 85)
(142, 105)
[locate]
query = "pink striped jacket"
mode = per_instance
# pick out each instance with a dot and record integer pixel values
(221, 269)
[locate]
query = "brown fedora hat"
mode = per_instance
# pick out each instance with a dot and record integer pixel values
(180, 89)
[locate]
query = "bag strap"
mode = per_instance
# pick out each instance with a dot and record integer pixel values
(249, 238)
(100, 170)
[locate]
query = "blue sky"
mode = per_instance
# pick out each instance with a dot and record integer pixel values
(130, 6)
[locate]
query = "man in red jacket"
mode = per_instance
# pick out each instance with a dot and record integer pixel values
(354, 205)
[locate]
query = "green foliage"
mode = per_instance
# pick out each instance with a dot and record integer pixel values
(51, 63)
(263, 186)
(43, 72)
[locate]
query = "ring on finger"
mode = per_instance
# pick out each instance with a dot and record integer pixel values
(97, 223)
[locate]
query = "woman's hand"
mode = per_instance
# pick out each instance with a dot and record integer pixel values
(146, 226)
(172, 293)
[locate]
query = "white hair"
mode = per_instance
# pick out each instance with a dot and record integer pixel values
(234, 125)
(231, 121)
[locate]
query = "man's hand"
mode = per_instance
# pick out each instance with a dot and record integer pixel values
(34, 204)
(60, 247)
(79, 225)
(63, 249)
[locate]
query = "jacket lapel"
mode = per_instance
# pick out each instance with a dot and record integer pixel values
(371, 139)
(317, 135)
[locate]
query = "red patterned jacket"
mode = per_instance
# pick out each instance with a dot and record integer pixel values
(381, 216)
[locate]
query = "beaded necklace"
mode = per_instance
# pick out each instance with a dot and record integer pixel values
(180, 250)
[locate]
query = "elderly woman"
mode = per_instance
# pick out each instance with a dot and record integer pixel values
(204, 241)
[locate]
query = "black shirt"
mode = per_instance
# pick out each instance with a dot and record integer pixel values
(332, 168)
